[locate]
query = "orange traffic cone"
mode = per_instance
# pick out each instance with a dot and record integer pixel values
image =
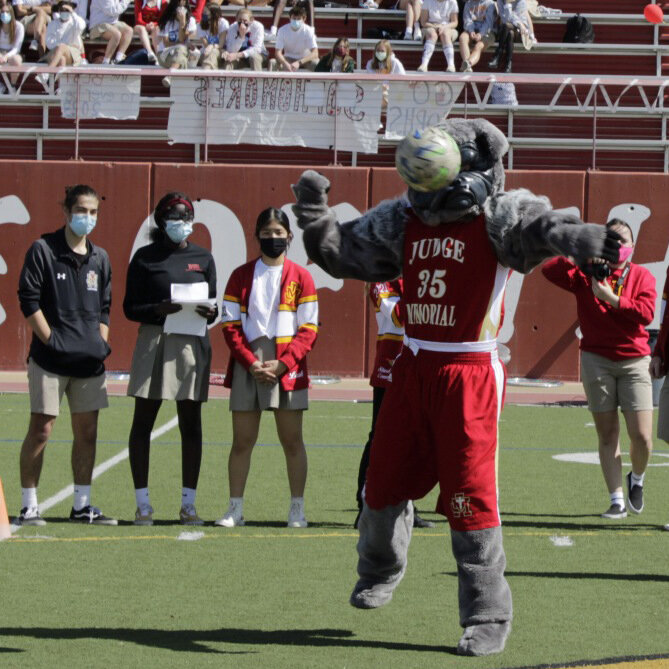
(5, 531)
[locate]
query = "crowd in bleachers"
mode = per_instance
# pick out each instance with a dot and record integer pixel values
(181, 34)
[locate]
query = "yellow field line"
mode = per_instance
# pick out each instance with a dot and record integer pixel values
(289, 535)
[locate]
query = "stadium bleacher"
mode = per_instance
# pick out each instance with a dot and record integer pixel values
(625, 46)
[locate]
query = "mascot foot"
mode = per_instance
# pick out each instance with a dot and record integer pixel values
(366, 596)
(484, 639)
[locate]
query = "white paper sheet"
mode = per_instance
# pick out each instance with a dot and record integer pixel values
(187, 320)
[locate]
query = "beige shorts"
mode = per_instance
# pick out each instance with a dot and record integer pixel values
(247, 394)
(663, 411)
(75, 53)
(486, 39)
(174, 56)
(46, 391)
(454, 32)
(99, 30)
(29, 18)
(610, 384)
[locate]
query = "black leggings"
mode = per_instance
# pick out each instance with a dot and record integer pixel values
(190, 426)
(377, 398)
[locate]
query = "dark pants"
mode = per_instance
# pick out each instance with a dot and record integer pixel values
(377, 398)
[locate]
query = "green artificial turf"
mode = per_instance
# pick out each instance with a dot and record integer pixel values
(266, 596)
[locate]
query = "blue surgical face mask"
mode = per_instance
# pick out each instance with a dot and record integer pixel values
(82, 224)
(5, 17)
(178, 230)
(65, 16)
(295, 24)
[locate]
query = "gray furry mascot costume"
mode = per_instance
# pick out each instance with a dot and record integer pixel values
(455, 249)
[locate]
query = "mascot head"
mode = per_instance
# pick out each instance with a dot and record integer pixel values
(482, 147)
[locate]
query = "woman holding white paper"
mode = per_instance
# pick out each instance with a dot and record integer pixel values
(172, 356)
(270, 323)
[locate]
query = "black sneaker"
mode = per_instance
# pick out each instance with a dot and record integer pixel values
(92, 516)
(614, 512)
(421, 522)
(30, 515)
(634, 495)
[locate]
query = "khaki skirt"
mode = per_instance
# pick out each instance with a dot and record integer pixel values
(246, 394)
(170, 366)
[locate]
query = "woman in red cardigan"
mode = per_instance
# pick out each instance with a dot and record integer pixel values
(270, 323)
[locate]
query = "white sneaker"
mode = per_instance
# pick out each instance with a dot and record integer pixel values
(166, 81)
(296, 515)
(30, 515)
(144, 515)
(119, 58)
(233, 516)
(450, 68)
(33, 45)
(43, 78)
(421, 68)
(152, 58)
(417, 34)
(270, 35)
(407, 34)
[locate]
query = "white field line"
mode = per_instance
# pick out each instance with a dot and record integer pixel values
(67, 491)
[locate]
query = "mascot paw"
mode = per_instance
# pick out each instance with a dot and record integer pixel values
(366, 596)
(312, 188)
(595, 241)
(484, 639)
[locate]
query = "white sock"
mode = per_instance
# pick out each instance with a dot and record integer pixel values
(637, 479)
(273, 31)
(618, 498)
(428, 50)
(28, 497)
(188, 496)
(297, 500)
(416, 25)
(82, 496)
(142, 497)
(450, 55)
(106, 61)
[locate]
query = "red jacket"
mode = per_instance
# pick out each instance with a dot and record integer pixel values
(144, 15)
(196, 7)
(386, 297)
(614, 333)
(297, 322)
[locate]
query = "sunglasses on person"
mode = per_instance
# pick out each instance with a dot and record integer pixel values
(244, 23)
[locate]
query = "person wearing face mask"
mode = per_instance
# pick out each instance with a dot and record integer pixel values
(11, 39)
(210, 36)
(65, 296)
(337, 60)
(63, 38)
(384, 62)
(244, 44)
(168, 366)
(270, 325)
(614, 305)
(296, 46)
(177, 28)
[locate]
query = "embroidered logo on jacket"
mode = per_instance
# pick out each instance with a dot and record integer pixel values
(193, 267)
(61, 276)
(291, 294)
(460, 505)
(92, 281)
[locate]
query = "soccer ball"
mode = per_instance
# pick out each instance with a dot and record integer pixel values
(428, 159)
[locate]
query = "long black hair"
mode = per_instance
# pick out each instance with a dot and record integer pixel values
(72, 194)
(170, 14)
(271, 214)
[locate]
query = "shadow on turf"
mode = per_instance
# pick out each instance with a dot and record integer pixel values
(571, 575)
(602, 524)
(210, 523)
(194, 640)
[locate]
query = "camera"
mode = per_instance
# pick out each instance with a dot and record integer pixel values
(601, 271)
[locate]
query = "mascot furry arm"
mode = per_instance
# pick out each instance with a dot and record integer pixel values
(523, 227)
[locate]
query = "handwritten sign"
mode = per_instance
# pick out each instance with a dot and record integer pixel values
(318, 113)
(418, 104)
(109, 96)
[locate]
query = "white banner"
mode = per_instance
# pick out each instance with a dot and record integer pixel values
(109, 96)
(418, 104)
(317, 113)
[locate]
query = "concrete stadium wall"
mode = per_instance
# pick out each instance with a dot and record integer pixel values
(540, 320)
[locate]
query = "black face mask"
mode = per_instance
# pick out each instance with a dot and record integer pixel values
(273, 247)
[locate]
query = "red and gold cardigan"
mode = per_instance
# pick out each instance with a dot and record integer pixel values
(296, 324)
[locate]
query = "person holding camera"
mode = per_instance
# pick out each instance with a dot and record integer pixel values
(615, 303)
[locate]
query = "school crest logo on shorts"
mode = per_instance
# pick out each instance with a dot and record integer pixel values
(92, 281)
(460, 505)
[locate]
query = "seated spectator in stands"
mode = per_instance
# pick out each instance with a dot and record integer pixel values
(384, 62)
(296, 46)
(514, 21)
(439, 19)
(105, 23)
(337, 60)
(11, 40)
(280, 6)
(177, 29)
(413, 9)
(211, 32)
(478, 31)
(34, 16)
(196, 9)
(63, 36)
(244, 43)
(147, 13)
